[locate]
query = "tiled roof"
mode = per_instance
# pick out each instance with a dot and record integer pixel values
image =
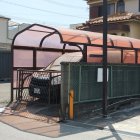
(114, 18)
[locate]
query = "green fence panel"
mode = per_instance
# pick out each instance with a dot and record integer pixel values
(123, 81)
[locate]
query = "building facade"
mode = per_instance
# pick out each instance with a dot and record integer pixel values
(5, 43)
(123, 17)
(8, 29)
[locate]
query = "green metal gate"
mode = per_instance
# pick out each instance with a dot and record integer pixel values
(86, 81)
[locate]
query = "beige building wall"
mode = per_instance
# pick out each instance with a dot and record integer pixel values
(132, 6)
(119, 33)
(134, 30)
(5, 43)
(100, 1)
(3, 30)
(7, 34)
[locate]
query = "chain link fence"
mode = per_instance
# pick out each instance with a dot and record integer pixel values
(38, 85)
(37, 93)
(49, 88)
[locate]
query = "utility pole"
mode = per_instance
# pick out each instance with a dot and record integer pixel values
(104, 102)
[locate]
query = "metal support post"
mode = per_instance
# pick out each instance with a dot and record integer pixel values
(104, 103)
(71, 102)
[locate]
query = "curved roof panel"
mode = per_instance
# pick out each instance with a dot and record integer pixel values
(39, 36)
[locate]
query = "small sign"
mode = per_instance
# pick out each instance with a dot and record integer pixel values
(37, 91)
(100, 74)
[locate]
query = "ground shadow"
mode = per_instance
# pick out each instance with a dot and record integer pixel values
(25, 118)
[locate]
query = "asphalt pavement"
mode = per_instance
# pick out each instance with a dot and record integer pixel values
(122, 125)
(4, 93)
(10, 133)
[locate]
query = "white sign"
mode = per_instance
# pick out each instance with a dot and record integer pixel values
(37, 91)
(100, 74)
(2, 109)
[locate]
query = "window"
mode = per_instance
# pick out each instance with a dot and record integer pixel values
(111, 9)
(93, 12)
(120, 6)
(96, 11)
(100, 11)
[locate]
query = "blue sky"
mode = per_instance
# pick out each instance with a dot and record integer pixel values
(48, 12)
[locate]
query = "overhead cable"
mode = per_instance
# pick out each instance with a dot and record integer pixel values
(41, 10)
(64, 4)
(34, 20)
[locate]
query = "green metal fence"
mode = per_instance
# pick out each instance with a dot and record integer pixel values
(86, 81)
(5, 65)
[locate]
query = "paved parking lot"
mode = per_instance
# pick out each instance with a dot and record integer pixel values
(4, 93)
(65, 131)
(122, 125)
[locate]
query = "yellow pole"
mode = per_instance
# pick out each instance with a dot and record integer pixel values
(71, 99)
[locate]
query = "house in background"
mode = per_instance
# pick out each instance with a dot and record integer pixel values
(123, 17)
(8, 29)
(5, 43)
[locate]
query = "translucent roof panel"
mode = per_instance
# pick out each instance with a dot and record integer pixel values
(73, 36)
(23, 58)
(37, 46)
(43, 36)
(41, 28)
(67, 57)
(29, 38)
(45, 58)
(52, 42)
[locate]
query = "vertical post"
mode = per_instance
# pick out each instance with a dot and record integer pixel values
(85, 53)
(12, 74)
(121, 55)
(104, 103)
(71, 101)
(49, 89)
(19, 85)
(136, 56)
(34, 59)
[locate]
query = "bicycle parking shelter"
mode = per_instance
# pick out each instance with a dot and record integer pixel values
(37, 46)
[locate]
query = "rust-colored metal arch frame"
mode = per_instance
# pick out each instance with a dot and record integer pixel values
(55, 31)
(67, 42)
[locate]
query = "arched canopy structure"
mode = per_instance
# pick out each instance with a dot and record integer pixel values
(40, 36)
(37, 46)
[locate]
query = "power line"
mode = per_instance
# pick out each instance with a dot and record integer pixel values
(64, 4)
(42, 10)
(34, 20)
